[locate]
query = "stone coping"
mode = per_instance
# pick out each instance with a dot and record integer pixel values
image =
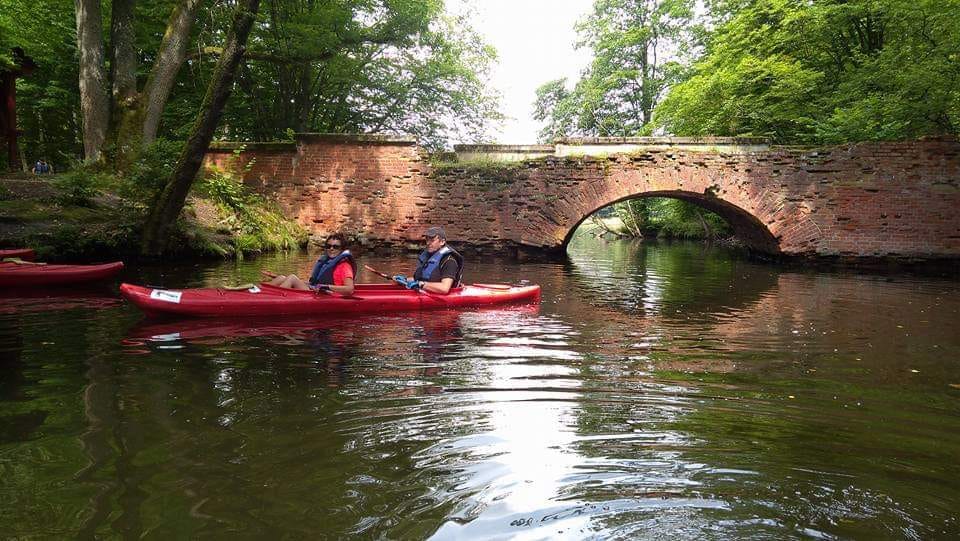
(230, 146)
(679, 141)
(377, 138)
(374, 138)
(513, 149)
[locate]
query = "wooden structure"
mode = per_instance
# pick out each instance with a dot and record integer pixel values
(23, 66)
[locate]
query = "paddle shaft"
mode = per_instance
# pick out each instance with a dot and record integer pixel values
(378, 273)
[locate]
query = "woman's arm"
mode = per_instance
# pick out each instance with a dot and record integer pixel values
(345, 289)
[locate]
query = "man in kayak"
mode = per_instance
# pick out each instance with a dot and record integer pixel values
(334, 271)
(439, 267)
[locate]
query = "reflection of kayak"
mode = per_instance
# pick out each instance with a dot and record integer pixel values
(15, 274)
(266, 300)
(48, 299)
(25, 254)
(374, 326)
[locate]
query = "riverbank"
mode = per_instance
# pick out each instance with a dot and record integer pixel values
(63, 220)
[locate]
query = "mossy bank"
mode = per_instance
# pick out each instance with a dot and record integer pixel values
(88, 216)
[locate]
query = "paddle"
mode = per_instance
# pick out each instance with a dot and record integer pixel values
(386, 276)
(18, 261)
(380, 274)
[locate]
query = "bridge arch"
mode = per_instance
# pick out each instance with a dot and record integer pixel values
(746, 227)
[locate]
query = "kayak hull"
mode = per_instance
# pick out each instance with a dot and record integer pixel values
(16, 275)
(267, 300)
(25, 254)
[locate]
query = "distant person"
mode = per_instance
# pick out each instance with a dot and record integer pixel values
(334, 270)
(439, 267)
(42, 168)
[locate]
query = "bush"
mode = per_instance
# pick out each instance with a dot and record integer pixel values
(255, 224)
(152, 169)
(225, 189)
(80, 186)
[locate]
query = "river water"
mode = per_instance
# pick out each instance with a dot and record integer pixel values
(658, 391)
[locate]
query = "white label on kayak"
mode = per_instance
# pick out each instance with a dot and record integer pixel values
(254, 289)
(165, 337)
(166, 296)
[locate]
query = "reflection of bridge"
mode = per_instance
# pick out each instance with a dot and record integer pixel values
(878, 199)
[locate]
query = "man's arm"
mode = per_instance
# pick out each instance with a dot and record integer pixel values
(442, 287)
(448, 273)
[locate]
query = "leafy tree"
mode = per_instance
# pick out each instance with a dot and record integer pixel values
(556, 106)
(636, 45)
(402, 66)
(823, 72)
(169, 203)
(48, 98)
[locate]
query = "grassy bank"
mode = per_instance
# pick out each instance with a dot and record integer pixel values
(87, 216)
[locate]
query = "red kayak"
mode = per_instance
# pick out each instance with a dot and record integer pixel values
(25, 254)
(32, 274)
(267, 300)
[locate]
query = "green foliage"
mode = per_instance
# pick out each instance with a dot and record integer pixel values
(556, 106)
(80, 186)
(667, 217)
(254, 224)
(153, 168)
(823, 72)
(226, 190)
(48, 99)
(357, 66)
(636, 45)
(79, 242)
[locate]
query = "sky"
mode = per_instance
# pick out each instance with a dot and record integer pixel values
(535, 44)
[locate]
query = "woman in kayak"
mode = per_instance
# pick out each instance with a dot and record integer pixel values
(334, 271)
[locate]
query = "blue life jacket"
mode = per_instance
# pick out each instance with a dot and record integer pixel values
(429, 265)
(323, 269)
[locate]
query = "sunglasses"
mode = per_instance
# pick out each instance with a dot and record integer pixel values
(335, 246)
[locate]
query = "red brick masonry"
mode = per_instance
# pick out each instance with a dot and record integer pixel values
(898, 199)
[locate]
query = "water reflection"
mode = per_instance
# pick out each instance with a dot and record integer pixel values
(656, 392)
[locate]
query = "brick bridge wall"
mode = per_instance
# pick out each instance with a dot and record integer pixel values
(896, 199)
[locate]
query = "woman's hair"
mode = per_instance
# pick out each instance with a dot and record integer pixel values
(340, 237)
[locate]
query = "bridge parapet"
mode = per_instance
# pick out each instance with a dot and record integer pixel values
(605, 146)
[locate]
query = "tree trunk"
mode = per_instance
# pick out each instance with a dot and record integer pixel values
(94, 104)
(707, 230)
(170, 57)
(123, 54)
(123, 76)
(170, 202)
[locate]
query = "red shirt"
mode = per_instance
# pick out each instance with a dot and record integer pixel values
(341, 272)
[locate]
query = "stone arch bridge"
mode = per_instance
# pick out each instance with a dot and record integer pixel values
(897, 199)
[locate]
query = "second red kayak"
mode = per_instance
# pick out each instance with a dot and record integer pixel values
(25, 254)
(266, 300)
(23, 274)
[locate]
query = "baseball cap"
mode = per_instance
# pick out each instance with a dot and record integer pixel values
(435, 232)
